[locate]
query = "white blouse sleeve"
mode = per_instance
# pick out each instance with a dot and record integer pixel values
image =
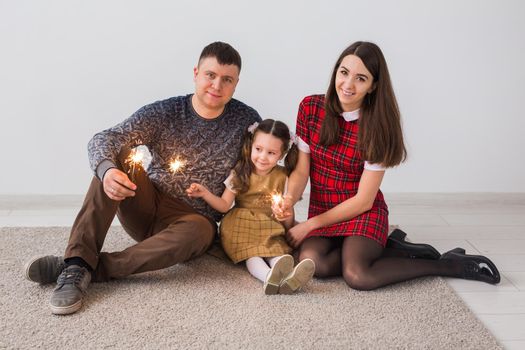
(374, 166)
(303, 146)
(229, 182)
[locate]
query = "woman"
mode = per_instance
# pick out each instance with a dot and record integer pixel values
(347, 138)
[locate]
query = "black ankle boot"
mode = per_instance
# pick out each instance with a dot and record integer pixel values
(474, 267)
(396, 240)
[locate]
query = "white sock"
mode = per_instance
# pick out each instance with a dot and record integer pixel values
(258, 268)
(271, 261)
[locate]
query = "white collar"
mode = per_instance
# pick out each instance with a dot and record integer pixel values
(351, 116)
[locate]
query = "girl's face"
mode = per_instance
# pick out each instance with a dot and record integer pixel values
(352, 83)
(266, 152)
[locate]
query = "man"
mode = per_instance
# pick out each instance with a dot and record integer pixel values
(203, 130)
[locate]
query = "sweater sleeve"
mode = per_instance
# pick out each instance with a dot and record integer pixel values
(139, 129)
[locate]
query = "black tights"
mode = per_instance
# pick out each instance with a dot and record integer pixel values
(365, 264)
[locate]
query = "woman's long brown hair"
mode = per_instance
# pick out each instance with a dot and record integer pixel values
(380, 138)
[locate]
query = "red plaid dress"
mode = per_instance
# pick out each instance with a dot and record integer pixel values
(335, 172)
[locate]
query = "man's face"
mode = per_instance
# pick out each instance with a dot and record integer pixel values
(214, 85)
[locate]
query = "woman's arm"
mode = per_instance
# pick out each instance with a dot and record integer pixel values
(290, 220)
(296, 183)
(350, 208)
(299, 177)
(221, 204)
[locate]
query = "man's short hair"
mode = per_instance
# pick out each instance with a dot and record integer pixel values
(224, 53)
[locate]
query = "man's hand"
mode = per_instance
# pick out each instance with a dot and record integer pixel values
(197, 190)
(117, 185)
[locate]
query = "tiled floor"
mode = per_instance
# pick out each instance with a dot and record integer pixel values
(489, 224)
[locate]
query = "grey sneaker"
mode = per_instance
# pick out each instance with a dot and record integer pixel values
(71, 286)
(44, 269)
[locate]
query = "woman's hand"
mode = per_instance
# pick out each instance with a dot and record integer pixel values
(197, 190)
(117, 185)
(296, 235)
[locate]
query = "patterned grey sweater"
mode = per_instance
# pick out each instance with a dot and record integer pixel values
(171, 128)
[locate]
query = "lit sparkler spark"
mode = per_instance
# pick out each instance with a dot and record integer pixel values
(176, 165)
(277, 199)
(135, 161)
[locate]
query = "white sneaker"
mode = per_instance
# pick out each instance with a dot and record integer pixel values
(298, 278)
(282, 268)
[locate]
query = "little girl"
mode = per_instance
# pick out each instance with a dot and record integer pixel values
(248, 231)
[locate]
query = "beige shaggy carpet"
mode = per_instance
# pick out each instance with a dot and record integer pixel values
(209, 303)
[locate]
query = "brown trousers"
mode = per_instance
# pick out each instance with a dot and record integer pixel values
(167, 230)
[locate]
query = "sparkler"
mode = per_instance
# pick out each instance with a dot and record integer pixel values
(135, 161)
(277, 199)
(176, 165)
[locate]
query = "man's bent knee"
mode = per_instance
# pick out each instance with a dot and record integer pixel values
(201, 227)
(195, 234)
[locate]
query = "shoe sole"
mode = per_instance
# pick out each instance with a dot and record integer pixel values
(281, 269)
(66, 310)
(300, 276)
(27, 268)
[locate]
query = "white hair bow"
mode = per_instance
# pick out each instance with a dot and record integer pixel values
(252, 127)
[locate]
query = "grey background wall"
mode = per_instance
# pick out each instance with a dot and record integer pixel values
(71, 68)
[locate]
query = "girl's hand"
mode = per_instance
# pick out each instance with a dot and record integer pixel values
(197, 191)
(296, 235)
(284, 209)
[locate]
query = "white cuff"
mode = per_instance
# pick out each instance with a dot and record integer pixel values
(374, 166)
(229, 182)
(303, 146)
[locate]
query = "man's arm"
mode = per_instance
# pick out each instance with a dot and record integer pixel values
(105, 146)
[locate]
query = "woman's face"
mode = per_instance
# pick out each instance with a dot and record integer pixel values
(352, 83)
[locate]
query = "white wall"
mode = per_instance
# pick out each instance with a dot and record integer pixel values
(71, 68)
